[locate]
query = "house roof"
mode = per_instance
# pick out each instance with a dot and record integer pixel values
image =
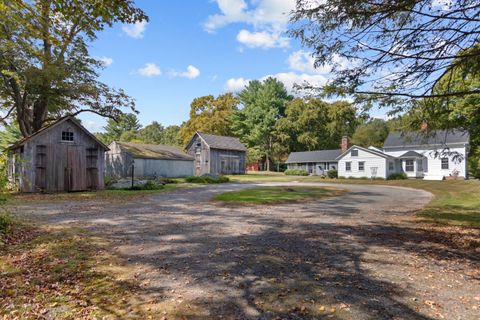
(314, 156)
(438, 137)
(153, 151)
(411, 154)
(222, 142)
(372, 151)
(24, 140)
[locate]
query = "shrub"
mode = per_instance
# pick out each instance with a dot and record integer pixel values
(150, 185)
(207, 179)
(332, 174)
(296, 172)
(398, 176)
(109, 181)
(166, 181)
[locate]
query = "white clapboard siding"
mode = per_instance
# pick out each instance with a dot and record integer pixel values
(371, 160)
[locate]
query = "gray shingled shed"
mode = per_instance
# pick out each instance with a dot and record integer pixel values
(217, 154)
(148, 160)
(314, 162)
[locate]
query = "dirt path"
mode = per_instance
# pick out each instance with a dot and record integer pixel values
(357, 256)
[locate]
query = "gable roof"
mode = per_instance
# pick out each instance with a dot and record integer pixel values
(372, 151)
(153, 151)
(313, 156)
(221, 142)
(438, 137)
(24, 140)
(411, 154)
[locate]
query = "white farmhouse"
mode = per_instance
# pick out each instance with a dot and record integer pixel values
(432, 156)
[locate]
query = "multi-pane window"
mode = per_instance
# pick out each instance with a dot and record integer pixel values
(391, 166)
(348, 166)
(409, 166)
(354, 153)
(444, 163)
(361, 166)
(67, 136)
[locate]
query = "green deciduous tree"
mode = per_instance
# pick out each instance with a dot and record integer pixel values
(155, 133)
(9, 134)
(45, 67)
(384, 49)
(371, 133)
(210, 115)
(263, 104)
(315, 125)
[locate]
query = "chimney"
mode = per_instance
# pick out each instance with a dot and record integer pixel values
(344, 144)
(424, 125)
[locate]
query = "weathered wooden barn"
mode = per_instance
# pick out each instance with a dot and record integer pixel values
(63, 156)
(148, 161)
(217, 154)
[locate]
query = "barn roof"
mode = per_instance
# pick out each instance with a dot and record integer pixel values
(314, 156)
(438, 137)
(24, 140)
(222, 142)
(154, 151)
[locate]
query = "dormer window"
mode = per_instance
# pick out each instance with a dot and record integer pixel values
(67, 136)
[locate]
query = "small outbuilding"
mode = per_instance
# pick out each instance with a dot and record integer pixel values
(217, 154)
(63, 156)
(147, 161)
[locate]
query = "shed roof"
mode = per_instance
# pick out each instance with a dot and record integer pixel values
(314, 156)
(24, 140)
(154, 151)
(222, 142)
(438, 137)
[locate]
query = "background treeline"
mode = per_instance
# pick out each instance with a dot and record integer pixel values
(273, 123)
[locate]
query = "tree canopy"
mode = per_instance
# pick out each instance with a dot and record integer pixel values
(371, 133)
(126, 125)
(391, 51)
(210, 115)
(263, 104)
(45, 67)
(314, 125)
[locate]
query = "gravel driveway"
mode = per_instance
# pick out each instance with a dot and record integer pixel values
(356, 256)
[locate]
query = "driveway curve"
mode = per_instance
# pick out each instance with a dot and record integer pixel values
(356, 256)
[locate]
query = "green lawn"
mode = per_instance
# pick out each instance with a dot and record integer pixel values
(271, 195)
(454, 202)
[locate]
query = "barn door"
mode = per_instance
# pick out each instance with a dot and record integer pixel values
(76, 169)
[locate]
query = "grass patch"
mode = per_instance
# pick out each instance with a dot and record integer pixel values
(273, 195)
(454, 203)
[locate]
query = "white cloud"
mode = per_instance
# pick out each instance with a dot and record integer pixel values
(264, 39)
(150, 70)
(106, 61)
(135, 30)
(444, 5)
(92, 126)
(191, 73)
(236, 85)
(269, 19)
(303, 61)
(289, 79)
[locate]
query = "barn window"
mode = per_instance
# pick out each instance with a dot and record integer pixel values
(67, 136)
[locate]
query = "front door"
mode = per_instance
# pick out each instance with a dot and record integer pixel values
(75, 175)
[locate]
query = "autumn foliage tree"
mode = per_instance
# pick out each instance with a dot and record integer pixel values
(45, 67)
(210, 115)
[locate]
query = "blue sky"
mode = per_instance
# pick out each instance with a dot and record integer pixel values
(191, 48)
